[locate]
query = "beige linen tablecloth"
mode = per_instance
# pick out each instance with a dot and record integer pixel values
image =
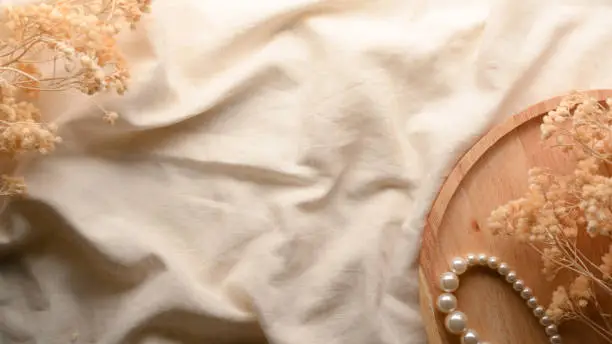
(268, 177)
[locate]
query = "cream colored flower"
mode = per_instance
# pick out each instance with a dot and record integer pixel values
(580, 291)
(560, 305)
(557, 210)
(57, 45)
(13, 186)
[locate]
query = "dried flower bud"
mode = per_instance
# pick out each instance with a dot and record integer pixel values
(13, 186)
(110, 117)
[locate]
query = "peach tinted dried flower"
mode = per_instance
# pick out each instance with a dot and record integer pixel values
(54, 46)
(13, 185)
(558, 209)
(560, 305)
(580, 291)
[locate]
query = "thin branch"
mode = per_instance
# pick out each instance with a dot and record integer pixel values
(602, 314)
(25, 51)
(20, 72)
(605, 334)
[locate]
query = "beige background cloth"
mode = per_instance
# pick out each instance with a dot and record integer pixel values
(274, 159)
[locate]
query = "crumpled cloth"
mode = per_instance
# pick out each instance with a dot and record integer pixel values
(274, 159)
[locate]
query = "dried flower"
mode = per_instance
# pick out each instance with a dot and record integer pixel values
(13, 185)
(57, 45)
(580, 291)
(110, 117)
(556, 209)
(560, 305)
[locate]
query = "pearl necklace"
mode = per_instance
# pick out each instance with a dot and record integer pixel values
(456, 321)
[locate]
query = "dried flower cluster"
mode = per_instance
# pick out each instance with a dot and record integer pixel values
(557, 209)
(57, 46)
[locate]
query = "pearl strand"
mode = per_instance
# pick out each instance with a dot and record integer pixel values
(456, 321)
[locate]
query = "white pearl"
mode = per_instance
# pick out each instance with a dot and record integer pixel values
(456, 322)
(503, 269)
(545, 321)
(469, 337)
(482, 259)
(447, 303)
(551, 330)
(471, 259)
(458, 265)
(527, 293)
(518, 285)
(556, 339)
(511, 277)
(539, 312)
(493, 262)
(449, 282)
(532, 302)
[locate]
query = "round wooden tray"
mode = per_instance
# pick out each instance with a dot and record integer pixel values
(491, 173)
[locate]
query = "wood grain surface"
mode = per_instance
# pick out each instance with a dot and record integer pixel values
(491, 173)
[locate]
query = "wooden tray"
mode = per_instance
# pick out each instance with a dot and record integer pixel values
(491, 173)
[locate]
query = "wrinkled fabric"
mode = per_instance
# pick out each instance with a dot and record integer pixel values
(269, 174)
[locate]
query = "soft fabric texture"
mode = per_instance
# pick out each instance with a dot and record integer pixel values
(269, 175)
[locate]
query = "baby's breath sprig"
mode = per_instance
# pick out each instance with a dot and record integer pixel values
(556, 209)
(57, 46)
